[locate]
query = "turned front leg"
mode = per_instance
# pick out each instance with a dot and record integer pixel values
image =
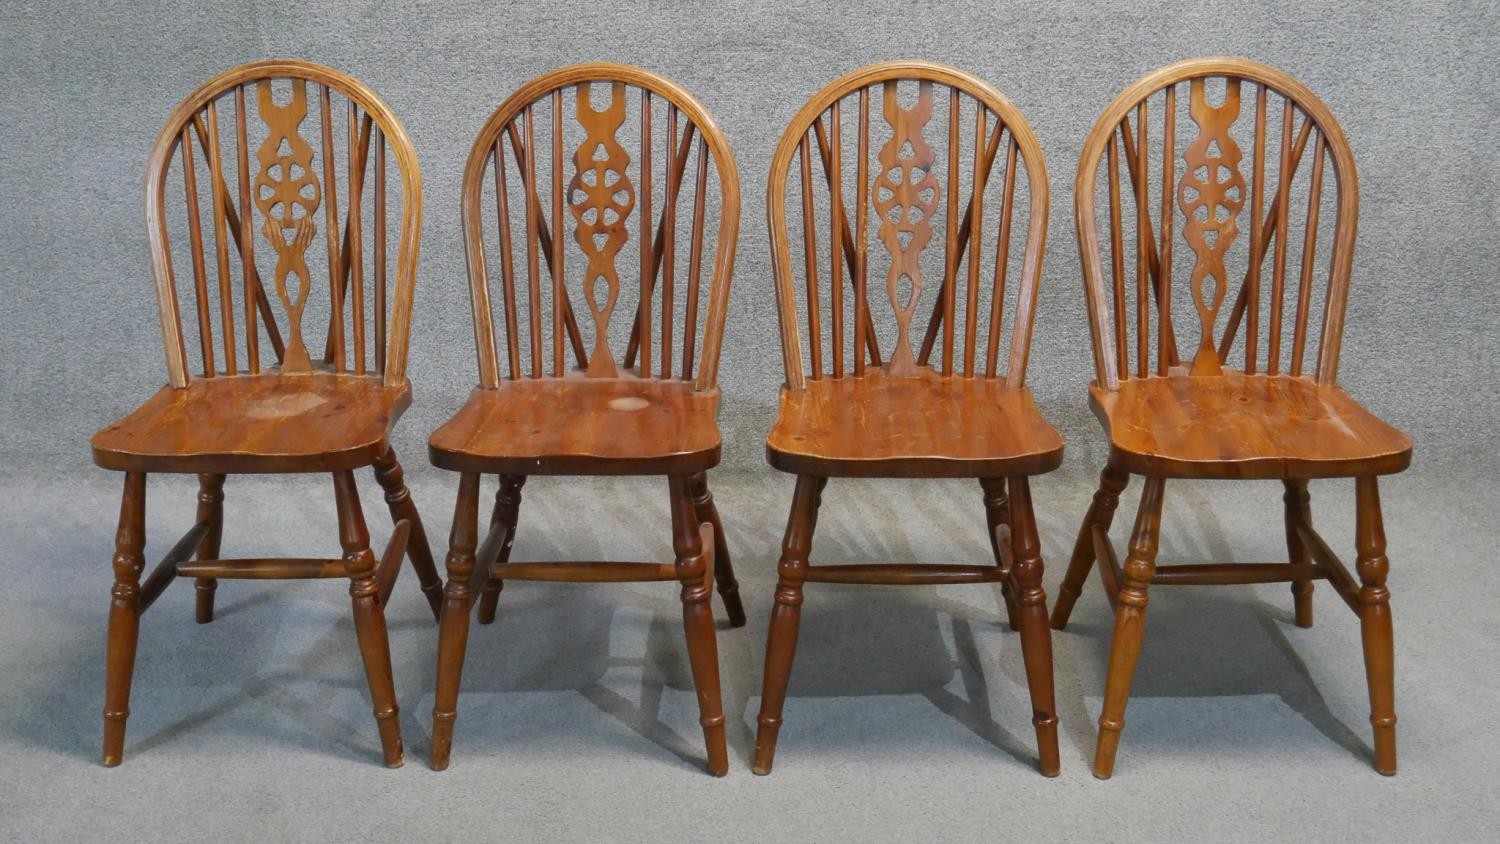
(211, 510)
(1036, 636)
(698, 621)
(124, 615)
(1130, 624)
(786, 617)
(1375, 621)
(453, 629)
(369, 616)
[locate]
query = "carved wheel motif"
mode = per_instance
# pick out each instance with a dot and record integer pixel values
(601, 198)
(1211, 195)
(906, 195)
(288, 195)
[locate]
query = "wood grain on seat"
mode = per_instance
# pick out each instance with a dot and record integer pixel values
(581, 426)
(1239, 426)
(249, 423)
(925, 427)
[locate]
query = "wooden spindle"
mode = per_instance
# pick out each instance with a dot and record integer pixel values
(533, 261)
(1257, 190)
(679, 165)
(976, 240)
(951, 252)
(836, 254)
(247, 237)
(355, 254)
(544, 239)
(669, 249)
(862, 235)
(648, 268)
(358, 161)
(331, 227)
(1117, 255)
(221, 237)
(810, 252)
(558, 293)
(380, 255)
(1143, 239)
(695, 263)
(825, 152)
(507, 265)
(1164, 262)
(195, 244)
(1309, 255)
(255, 297)
(1002, 254)
(1138, 177)
(1258, 250)
(1278, 265)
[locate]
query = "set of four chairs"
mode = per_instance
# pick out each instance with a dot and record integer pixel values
(571, 215)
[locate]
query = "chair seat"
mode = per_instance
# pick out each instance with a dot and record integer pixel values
(1245, 426)
(582, 426)
(256, 423)
(925, 426)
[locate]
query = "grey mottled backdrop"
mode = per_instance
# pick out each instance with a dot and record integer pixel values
(85, 87)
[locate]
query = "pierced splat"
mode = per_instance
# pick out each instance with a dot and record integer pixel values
(906, 195)
(1212, 184)
(288, 195)
(601, 198)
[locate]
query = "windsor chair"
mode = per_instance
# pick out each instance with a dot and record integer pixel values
(649, 412)
(239, 412)
(1193, 414)
(955, 409)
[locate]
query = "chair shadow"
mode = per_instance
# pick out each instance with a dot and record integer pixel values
(1200, 642)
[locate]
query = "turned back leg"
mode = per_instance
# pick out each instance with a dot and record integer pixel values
(505, 517)
(1298, 507)
(392, 480)
(997, 512)
(729, 588)
(1101, 512)
(211, 510)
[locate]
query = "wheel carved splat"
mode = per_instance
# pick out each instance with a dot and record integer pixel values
(288, 195)
(601, 198)
(906, 195)
(1212, 188)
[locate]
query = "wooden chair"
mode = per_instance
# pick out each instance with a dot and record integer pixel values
(556, 406)
(245, 414)
(1191, 414)
(955, 410)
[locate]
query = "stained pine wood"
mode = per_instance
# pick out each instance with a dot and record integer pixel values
(936, 412)
(300, 414)
(1279, 415)
(648, 411)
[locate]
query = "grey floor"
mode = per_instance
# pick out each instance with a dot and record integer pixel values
(908, 714)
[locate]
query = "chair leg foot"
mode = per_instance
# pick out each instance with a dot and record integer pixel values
(1101, 512)
(453, 628)
(1130, 622)
(124, 616)
(1375, 621)
(786, 618)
